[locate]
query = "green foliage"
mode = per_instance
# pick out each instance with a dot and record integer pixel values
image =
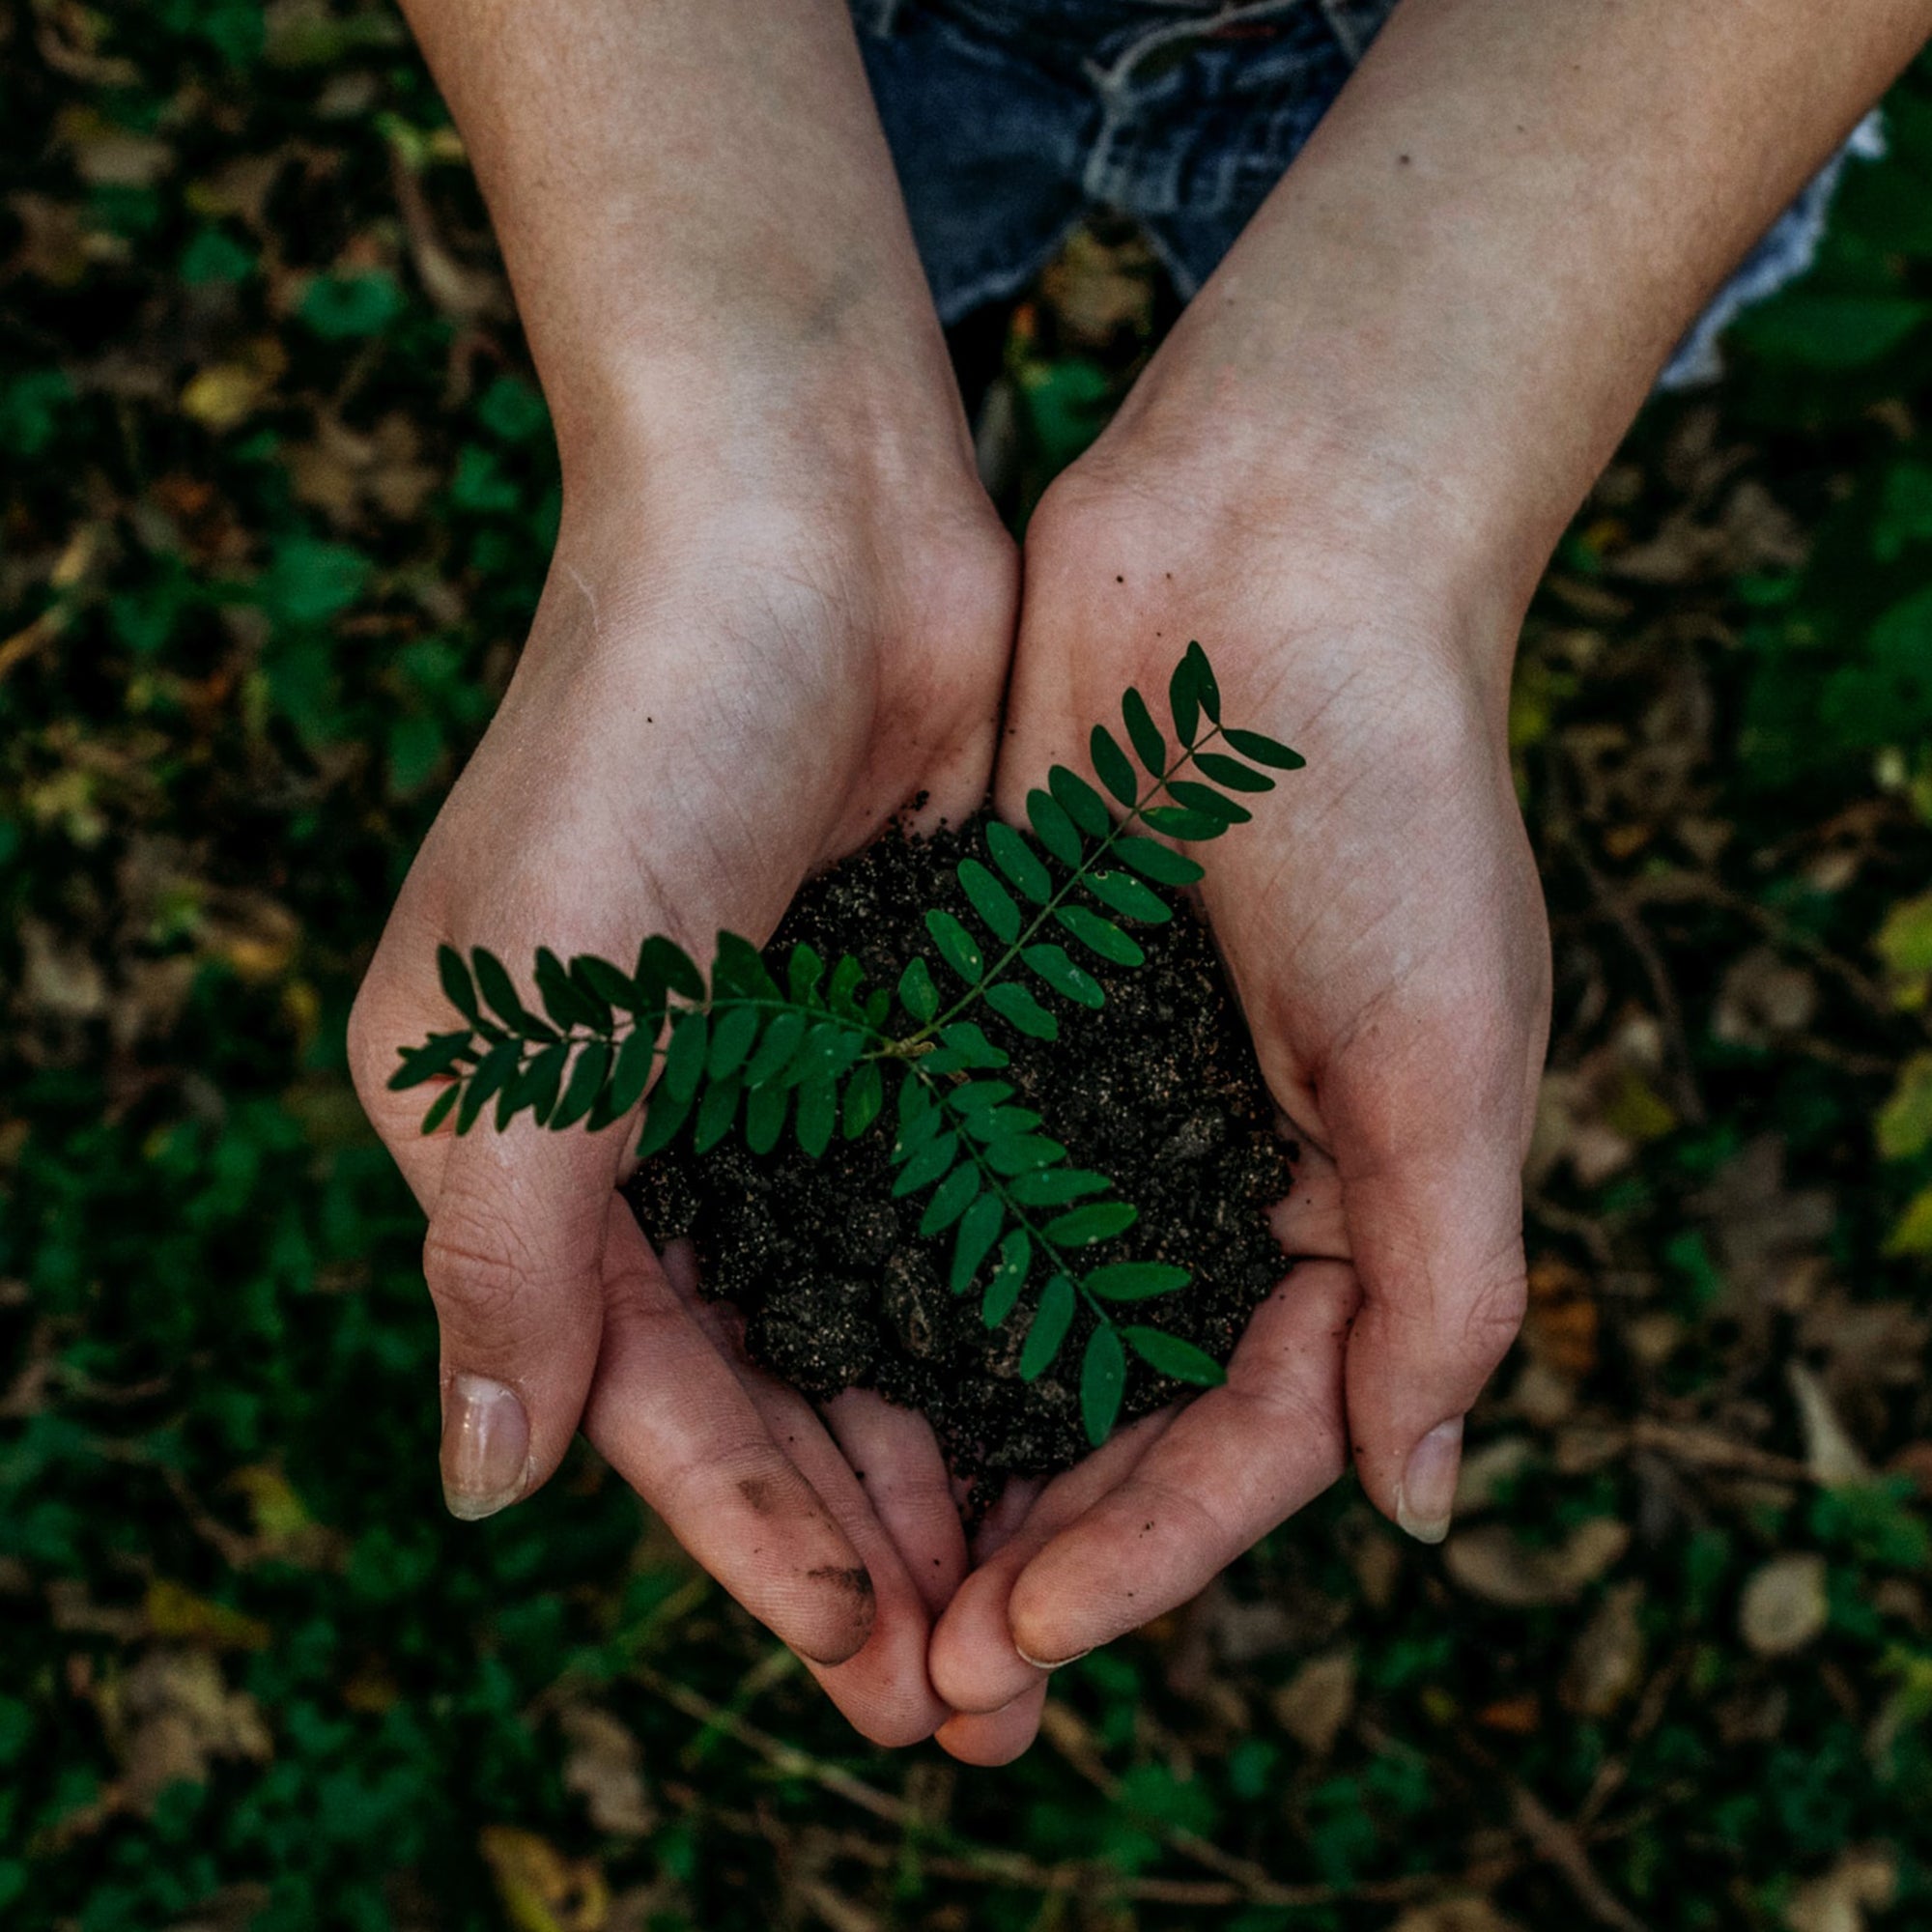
(742, 1054)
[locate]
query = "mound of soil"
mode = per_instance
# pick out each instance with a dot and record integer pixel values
(1159, 1089)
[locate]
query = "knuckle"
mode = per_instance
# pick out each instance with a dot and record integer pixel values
(480, 1275)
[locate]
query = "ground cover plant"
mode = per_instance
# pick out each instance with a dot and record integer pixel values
(808, 1042)
(277, 496)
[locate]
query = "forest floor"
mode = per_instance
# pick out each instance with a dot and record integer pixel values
(277, 503)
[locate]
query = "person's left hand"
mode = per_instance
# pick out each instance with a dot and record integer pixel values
(1383, 924)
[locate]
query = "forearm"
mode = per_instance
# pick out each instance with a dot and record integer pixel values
(701, 223)
(1453, 303)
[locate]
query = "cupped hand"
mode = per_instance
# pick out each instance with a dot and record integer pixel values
(1383, 924)
(708, 709)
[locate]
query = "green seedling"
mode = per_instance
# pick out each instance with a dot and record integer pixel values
(823, 1054)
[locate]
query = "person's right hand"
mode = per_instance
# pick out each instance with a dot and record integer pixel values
(721, 693)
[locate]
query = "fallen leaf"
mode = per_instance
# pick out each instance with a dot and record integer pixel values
(1454, 1915)
(1317, 1701)
(1491, 1563)
(1861, 1881)
(1784, 1605)
(542, 1890)
(1831, 1456)
(1607, 1659)
(173, 1610)
(605, 1768)
(172, 1715)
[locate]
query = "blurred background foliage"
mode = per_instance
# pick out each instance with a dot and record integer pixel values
(277, 502)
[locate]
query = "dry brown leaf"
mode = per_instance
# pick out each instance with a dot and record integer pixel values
(1560, 1326)
(542, 1890)
(605, 1768)
(172, 1715)
(1764, 1000)
(1830, 1455)
(1455, 1914)
(1491, 1563)
(1784, 1605)
(1607, 1659)
(1317, 1701)
(1487, 1471)
(1865, 1880)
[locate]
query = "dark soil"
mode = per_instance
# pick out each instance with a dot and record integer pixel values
(1159, 1089)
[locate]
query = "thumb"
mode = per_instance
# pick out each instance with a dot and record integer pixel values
(513, 1262)
(1428, 1138)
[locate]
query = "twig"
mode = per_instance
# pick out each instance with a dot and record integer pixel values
(1560, 1847)
(1245, 1884)
(1624, 916)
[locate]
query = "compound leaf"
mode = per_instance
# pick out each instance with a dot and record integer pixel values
(1019, 861)
(978, 1229)
(1230, 772)
(765, 1109)
(1048, 1328)
(716, 1112)
(973, 1048)
(1103, 1379)
(951, 1198)
(1100, 935)
(733, 1034)
(1178, 824)
(663, 1118)
(1161, 863)
(1097, 1221)
(1014, 1004)
(1003, 1291)
(684, 1057)
(663, 962)
(957, 945)
(1053, 829)
(587, 1081)
(916, 993)
(1055, 1186)
(932, 1160)
(776, 1049)
(1060, 972)
(1022, 1154)
(1080, 802)
(1263, 751)
(438, 1055)
(817, 1115)
(1184, 700)
(568, 1004)
(632, 1073)
(1207, 692)
(500, 991)
(603, 982)
(438, 1108)
(1206, 801)
(457, 985)
(1135, 1281)
(537, 1086)
(738, 969)
(1114, 767)
(804, 970)
(865, 1097)
(1123, 894)
(1173, 1357)
(1150, 746)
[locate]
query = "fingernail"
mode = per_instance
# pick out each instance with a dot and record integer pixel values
(1037, 1665)
(1427, 1491)
(486, 1447)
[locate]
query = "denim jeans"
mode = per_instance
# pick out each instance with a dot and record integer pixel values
(1009, 120)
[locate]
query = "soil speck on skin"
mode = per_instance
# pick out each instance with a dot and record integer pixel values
(1159, 1089)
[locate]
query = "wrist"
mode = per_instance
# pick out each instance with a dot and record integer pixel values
(1265, 526)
